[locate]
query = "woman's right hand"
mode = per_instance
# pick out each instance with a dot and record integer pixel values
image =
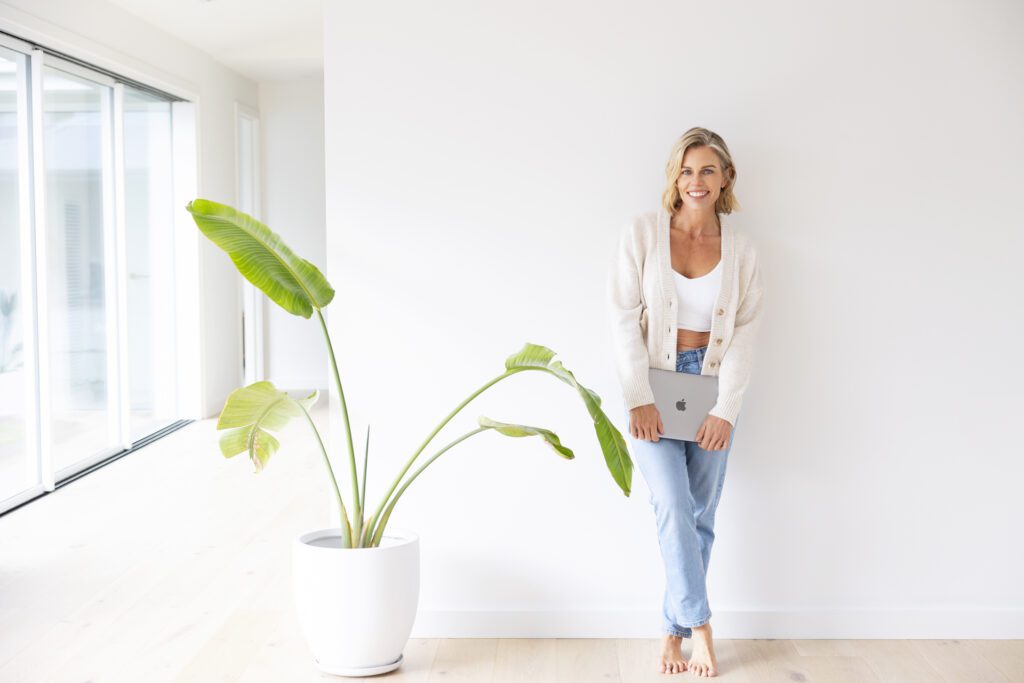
(645, 423)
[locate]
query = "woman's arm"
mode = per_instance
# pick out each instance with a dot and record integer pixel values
(738, 361)
(627, 314)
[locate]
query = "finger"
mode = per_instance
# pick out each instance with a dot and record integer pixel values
(661, 426)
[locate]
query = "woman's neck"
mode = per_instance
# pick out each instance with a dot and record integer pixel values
(703, 224)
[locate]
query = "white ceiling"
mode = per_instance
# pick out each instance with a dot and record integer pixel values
(265, 40)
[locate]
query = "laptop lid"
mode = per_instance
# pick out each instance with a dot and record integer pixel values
(683, 401)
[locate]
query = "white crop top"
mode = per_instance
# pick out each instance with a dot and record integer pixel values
(697, 299)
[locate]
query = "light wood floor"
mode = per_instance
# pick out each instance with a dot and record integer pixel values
(182, 574)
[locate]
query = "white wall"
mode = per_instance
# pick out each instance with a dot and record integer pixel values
(482, 161)
(292, 126)
(107, 36)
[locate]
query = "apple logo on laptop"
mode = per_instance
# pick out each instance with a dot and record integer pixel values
(681, 404)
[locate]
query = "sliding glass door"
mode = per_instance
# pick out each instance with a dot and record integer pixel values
(87, 271)
(149, 250)
(18, 464)
(77, 135)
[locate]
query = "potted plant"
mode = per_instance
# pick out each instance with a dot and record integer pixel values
(356, 632)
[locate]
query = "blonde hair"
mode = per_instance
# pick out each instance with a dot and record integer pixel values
(699, 137)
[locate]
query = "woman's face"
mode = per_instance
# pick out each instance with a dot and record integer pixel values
(701, 175)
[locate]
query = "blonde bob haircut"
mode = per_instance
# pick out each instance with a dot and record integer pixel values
(699, 137)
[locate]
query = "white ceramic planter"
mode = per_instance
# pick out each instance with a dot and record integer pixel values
(356, 606)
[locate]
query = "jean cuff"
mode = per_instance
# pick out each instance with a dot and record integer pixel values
(698, 623)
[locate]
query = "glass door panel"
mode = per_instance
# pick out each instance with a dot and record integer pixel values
(149, 248)
(76, 135)
(88, 309)
(18, 463)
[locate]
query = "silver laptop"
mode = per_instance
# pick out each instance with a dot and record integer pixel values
(683, 400)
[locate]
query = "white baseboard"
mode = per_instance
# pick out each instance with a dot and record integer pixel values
(306, 384)
(970, 624)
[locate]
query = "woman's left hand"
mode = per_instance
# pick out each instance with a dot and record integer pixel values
(714, 434)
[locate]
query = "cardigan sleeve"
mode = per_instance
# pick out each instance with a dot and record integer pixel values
(627, 314)
(738, 361)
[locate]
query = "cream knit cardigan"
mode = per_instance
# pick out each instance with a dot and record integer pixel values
(642, 302)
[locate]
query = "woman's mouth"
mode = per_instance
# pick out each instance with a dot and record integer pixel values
(698, 195)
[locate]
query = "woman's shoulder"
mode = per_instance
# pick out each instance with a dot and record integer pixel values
(744, 247)
(643, 226)
(748, 267)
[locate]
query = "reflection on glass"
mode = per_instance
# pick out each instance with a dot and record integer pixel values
(17, 470)
(149, 246)
(76, 123)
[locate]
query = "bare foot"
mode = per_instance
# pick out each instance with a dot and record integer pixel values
(702, 660)
(672, 661)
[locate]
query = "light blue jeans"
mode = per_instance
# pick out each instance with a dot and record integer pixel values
(685, 482)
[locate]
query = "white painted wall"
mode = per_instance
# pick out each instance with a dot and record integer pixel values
(292, 126)
(108, 36)
(480, 170)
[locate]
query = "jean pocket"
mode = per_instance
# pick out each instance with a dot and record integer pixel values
(690, 368)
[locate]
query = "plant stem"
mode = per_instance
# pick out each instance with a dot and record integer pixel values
(376, 515)
(346, 530)
(358, 512)
(366, 463)
(387, 514)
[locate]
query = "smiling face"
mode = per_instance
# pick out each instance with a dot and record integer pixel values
(701, 180)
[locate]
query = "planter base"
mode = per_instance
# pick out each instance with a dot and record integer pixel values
(364, 671)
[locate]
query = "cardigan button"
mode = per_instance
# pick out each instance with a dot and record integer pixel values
(721, 311)
(714, 363)
(718, 341)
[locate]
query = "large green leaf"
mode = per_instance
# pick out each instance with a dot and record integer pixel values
(250, 412)
(291, 282)
(616, 455)
(550, 438)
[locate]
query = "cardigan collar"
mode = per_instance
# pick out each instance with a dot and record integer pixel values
(664, 225)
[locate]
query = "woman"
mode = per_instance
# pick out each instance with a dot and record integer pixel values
(685, 294)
